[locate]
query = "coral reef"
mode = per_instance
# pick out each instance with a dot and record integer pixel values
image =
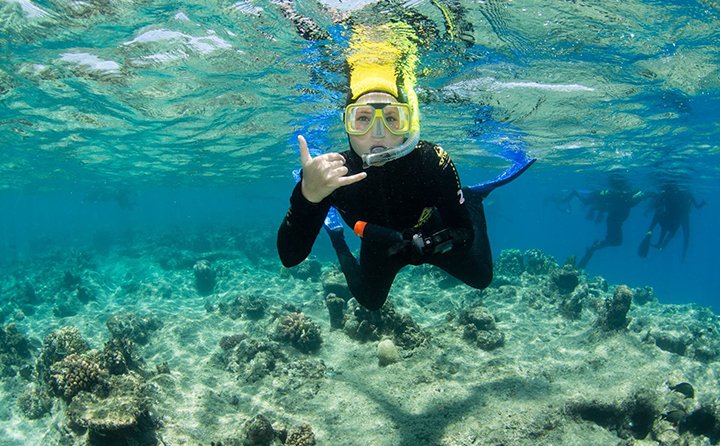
(15, 352)
(74, 373)
(117, 356)
(119, 417)
(512, 263)
(365, 325)
(669, 417)
(301, 436)
(133, 327)
(695, 335)
(70, 281)
(479, 327)
(310, 269)
(336, 308)
(565, 279)
(57, 346)
(644, 295)
(571, 304)
(204, 277)
(252, 307)
(575, 360)
(252, 359)
(300, 331)
(34, 402)
(104, 397)
(174, 260)
(613, 312)
(259, 431)
(24, 296)
(537, 262)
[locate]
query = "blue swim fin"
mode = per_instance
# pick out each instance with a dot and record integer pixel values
(483, 189)
(333, 222)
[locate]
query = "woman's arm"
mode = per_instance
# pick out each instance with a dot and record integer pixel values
(450, 199)
(299, 228)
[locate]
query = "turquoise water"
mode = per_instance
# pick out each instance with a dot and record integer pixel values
(134, 133)
(191, 109)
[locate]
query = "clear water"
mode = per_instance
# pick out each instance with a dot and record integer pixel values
(189, 109)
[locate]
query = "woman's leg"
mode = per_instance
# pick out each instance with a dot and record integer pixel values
(370, 279)
(473, 264)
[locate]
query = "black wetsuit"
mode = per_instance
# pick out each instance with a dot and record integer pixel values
(418, 193)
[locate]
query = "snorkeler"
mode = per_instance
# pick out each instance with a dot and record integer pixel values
(615, 204)
(400, 194)
(672, 206)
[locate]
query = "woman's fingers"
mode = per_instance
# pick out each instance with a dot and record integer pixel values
(324, 173)
(304, 152)
(344, 181)
(336, 164)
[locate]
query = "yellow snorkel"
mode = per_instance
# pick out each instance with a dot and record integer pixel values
(384, 59)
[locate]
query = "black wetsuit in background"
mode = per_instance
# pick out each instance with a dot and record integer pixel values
(418, 193)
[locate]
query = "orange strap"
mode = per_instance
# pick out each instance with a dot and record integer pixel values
(359, 228)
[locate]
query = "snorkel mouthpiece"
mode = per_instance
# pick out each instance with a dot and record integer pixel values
(380, 155)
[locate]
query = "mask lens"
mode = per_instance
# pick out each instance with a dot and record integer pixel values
(397, 118)
(359, 118)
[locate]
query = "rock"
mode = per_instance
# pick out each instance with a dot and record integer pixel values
(120, 410)
(565, 278)
(479, 327)
(613, 313)
(204, 277)
(259, 431)
(571, 304)
(387, 353)
(336, 308)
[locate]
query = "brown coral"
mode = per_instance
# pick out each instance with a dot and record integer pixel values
(56, 346)
(74, 374)
(301, 436)
(300, 331)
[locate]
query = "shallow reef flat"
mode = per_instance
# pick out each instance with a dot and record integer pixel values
(197, 339)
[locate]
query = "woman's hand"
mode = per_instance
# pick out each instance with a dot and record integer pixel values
(323, 174)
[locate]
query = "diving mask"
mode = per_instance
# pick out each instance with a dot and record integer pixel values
(393, 116)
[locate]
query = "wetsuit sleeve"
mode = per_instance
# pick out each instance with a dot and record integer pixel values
(300, 228)
(451, 201)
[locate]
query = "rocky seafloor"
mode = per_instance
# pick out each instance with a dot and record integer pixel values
(203, 339)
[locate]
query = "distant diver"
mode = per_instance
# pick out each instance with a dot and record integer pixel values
(614, 204)
(672, 206)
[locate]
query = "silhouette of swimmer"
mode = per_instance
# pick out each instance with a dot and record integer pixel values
(672, 206)
(613, 203)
